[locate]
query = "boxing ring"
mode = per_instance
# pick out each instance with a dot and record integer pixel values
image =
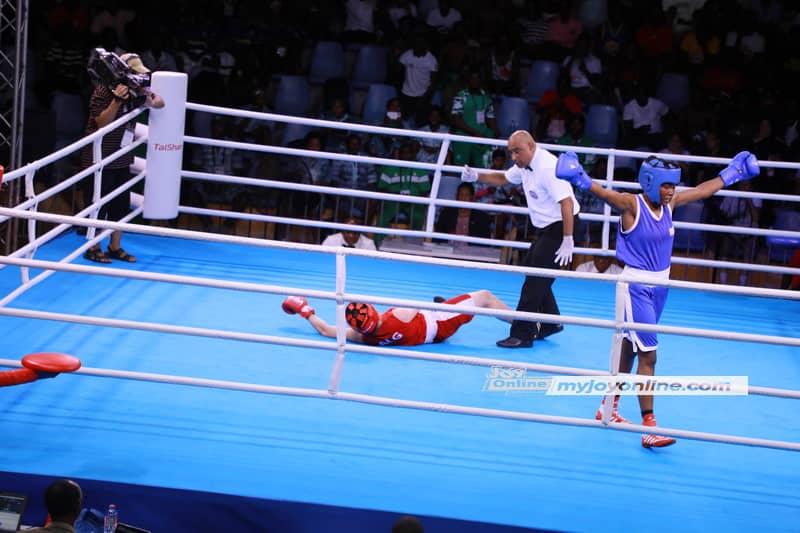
(194, 386)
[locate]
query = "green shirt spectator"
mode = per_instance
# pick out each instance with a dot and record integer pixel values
(399, 180)
(473, 114)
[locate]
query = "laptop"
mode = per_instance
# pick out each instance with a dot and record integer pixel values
(12, 507)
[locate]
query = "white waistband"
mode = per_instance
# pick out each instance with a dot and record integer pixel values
(638, 275)
(431, 327)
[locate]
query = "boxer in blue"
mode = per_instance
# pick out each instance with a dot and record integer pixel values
(644, 245)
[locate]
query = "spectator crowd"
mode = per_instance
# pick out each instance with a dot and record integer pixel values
(704, 77)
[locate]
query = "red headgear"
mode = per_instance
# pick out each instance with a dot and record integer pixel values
(362, 317)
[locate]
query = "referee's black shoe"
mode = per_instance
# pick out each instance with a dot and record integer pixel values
(515, 342)
(545, 330)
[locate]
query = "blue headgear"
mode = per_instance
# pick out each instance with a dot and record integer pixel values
(654, 172)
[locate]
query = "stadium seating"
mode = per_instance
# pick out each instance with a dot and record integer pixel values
(781, 248)
(513, 114)
(375, 103)
(294, 132)
(542, 76)
(593, 13)
(293, 96)
(327, 61)
(687, 240)
(673, 90)
(601, 125)
(370, 66)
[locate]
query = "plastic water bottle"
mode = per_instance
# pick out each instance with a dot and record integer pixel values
(111, 519)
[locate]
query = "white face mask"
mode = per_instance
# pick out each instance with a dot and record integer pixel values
(393, 115)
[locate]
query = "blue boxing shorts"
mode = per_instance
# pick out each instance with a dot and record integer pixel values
(644, 304)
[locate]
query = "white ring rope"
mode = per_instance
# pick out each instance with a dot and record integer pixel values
(417, 134)
(74, 147)
(606, 218)
(265, 243)
(50, 267)
(338, 191)
(480, 240)
(169, 232)
(426, 406)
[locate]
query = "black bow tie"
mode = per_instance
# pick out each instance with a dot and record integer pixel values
(529, 168)
(348, 245)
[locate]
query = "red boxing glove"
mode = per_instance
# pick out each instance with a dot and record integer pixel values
(297, 305)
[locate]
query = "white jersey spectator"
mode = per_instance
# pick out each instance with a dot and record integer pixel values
(418, 70)
(684, 11)
(649, 114)
(337, 239)
(577, 75)
(399, 10)
(443, 18)
(350, 238)
(600, 265)
(156, 57)
(360, 15)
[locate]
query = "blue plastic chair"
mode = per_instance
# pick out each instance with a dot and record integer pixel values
(542, 77)
(370, 66)
(601, 125)
(436, 98)
(513, 114)
(294, 132)
(448, 187)
(593, 13)
(781, 248)
(687, 240)
(294, 96)
(375, 103)
(673, 90)
(327, 61)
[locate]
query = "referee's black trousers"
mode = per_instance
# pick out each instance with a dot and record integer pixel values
(536, 295)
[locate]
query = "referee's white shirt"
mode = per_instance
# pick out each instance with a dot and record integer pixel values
(543, 190)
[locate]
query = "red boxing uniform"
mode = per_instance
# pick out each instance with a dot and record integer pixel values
(425, 327)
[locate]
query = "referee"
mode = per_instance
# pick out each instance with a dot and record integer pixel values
(552, 208)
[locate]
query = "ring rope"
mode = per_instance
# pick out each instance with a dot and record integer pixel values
(329, 345)
(245, 286)
(263, 243)
(427, 406)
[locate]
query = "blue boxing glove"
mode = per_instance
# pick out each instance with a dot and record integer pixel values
(569, 168)
(743, 167)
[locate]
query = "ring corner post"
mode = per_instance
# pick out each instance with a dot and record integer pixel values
(165, 147)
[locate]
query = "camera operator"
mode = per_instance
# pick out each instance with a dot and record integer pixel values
(110, 100)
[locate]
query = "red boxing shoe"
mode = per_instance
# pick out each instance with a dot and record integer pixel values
(615, 416)
(654, 441)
